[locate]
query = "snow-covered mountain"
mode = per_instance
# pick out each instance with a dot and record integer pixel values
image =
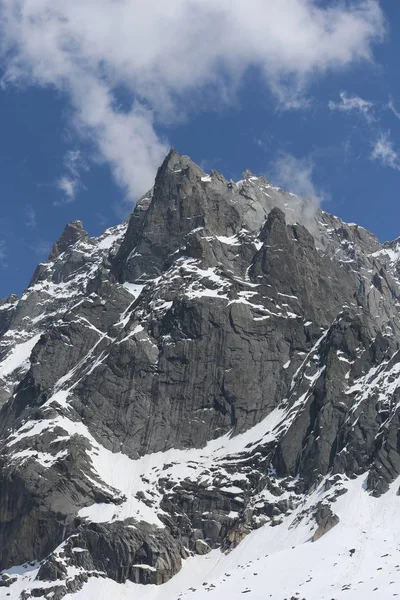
(204, 402)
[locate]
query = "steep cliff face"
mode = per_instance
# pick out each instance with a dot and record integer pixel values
(190, 376)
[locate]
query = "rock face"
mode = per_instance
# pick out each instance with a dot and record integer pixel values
(325, 519)
(72, 233)
(191, 375)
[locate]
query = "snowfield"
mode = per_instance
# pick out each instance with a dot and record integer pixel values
(18, 357)
(359, 559)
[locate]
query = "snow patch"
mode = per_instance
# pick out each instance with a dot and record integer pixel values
(19, 356)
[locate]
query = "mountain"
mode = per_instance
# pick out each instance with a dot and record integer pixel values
(204, 402)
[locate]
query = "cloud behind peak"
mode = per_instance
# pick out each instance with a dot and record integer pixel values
(165, 54)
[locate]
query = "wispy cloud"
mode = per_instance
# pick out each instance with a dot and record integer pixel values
(346, 145)
(352, 103)
(297, 175)
(383, 150)
(391, 106)
(70, 183)
(102, 219)
(30, 217)
(41, 248)
(385, 153)
(168, 56)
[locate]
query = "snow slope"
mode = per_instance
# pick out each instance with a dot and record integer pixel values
(359, 559)
(18, 357)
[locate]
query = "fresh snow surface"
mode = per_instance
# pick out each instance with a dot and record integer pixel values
(18, 356)
(111, 236)
(393, 255)
(133, 288)
(230, 241)
(359, 559)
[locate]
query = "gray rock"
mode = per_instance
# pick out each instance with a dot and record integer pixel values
(325, 519)
(72, 233)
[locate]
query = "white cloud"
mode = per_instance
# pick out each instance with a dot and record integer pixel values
(296, 174)
(168, 56)
(70, 183)
(385, 153)
(351, 103)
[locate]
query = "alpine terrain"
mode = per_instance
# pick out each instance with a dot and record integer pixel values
(204, 403)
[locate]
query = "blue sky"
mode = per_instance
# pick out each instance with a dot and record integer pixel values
(304, 91)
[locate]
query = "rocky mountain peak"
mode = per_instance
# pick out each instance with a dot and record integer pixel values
(247, 174)
(73, 232)
(225, 365)
(177, 163)
(276, 218)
